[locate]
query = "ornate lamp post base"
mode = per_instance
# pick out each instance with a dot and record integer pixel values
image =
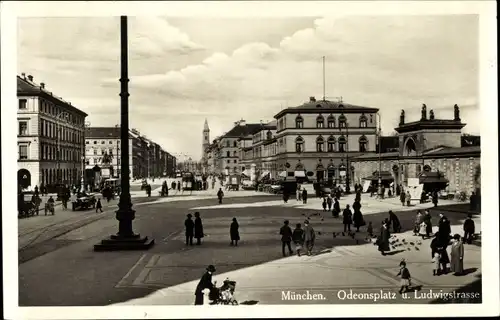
(123, 243)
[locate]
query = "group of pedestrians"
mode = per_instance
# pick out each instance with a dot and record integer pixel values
(194, 229)
(300, 237)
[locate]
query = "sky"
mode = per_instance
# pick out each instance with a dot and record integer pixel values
(185, 70)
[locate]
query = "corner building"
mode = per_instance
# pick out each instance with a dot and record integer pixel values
(321, 138)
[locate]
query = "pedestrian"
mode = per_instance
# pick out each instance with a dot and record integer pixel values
(234, 232)
(398, 190)
(435, 198)
(422, 232)
(444, 228)
(98, 205)
(286, 238)
(220, 195)
(457, 255)
(394, 221)
(357, 217)
(304, 196)
(383, 240)
(473, 201)
(444, 259)
(336, 208)
(178, 186)
(338, 193)
(402, 198)
(369, 229)
(347, 219)
(286, 195)
(205, 283)
(469, 229)
(405, 277)
(436, 270)
(298, 238)
(189, 224)
(323, 204)
(428, 223)
(309, 237)
(418, 222)
(298, 193)
(408, 198)
(358, 196)
(50, 206)
(173, 185)
(198, 228)
(329, 202)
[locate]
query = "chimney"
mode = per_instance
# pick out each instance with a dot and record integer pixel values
(312, 99)
(23, 75)
(243, 122)
(30, 78)
(42, 85)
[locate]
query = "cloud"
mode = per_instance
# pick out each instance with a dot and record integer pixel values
(388, 62)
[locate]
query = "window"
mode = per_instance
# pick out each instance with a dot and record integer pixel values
(269, 135)
(235, 161)
(228, 144)
(228, 154)
(363, 144)
(95, 151)
(299, 144)
(299, 122)
(23, 152)
(331, 144)
(95, 160)
(331, 121)
(110, 152)
(23, 128)
(22, 103)
(342, 144)
(320, 144)
(103, 142)
(110, 142)
(342, 121)
(320, 122)
(95, 142)
(235, 144)
(363, 121)
(234, 154)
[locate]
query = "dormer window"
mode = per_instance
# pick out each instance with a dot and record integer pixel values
(320, 122)
(299, 122)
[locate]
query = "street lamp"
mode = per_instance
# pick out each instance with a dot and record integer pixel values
(125, 239)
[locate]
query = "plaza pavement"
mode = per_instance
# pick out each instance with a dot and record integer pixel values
(75, 275)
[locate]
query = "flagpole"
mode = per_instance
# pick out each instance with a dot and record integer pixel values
(324, 80)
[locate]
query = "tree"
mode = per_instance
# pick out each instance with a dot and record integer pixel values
(107, 158)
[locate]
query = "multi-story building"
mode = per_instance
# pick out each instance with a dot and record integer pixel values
(318, 138)
(434, 147)
(229, 149)
(146, 158)
(257, 155)
(50, 137)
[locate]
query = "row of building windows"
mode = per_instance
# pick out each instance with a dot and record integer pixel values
(101, 151)
(49, 152)
(97, 160)
(228, 144)
(51, 109)
(331, 143)
(49, 129)
(330, 122)
(102, 142)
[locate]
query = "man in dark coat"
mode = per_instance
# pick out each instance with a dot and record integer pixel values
(336, 208)
(358, 196)
(383, 240)
(189, 224)
(444, 228)
(220, 195)
(402, 198)
(304, 196)
(428, 223)
(205, 283)
(338, 193)
(469, 229)
(435, 198)
(347, 219)
(198, 228)
(234, 232)
(286, 238)
(398, 190)
(357, 217)
(393, 219)
(473, 201)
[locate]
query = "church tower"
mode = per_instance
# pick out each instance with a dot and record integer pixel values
(206, 138)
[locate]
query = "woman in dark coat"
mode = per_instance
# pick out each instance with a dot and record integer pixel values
(234, 232)
(205, 283)
(336, 208)
(393, 219)
(428, 223)
(189, 224)
(304, 196)
(198, 228)
(383, 240)
(347, 218)
(357, 216)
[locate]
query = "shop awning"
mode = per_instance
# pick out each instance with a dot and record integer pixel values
(432, 177)
(265, 173)
(384, 175)
(282, 174)
(246, 173)
(300, 174)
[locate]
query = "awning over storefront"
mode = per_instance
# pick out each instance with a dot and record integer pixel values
(300, 174)
(432, 177)
(384, 175)
(246, 173)
(265, 173)
(282, 174)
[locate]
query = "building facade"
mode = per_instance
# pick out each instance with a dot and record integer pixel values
(50, 137)
(320, 137)
(258, 152)
(427, 145)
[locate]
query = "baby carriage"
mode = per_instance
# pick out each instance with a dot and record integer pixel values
(224, 294)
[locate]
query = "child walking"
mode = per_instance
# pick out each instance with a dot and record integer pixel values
(435, 261)
(369, 229)
(405, 277)
(324, 204)
(98, 205)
